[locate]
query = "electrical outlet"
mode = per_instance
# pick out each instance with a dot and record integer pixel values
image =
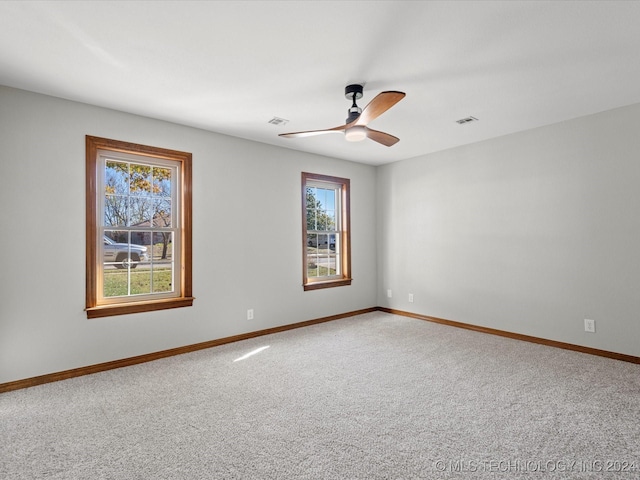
(250, 314)
(589, 325)
(389, 293)
(411, 298)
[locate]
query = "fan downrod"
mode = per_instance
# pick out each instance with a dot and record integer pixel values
(353, 93)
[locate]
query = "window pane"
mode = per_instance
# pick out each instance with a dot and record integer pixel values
(321, 220)
(116, 210)
(311, 207)
(140, 248)
(115, 283)
(162, 276)
(330, 200)
(139, 212)
(161, 214)
(312, 268)
(116, 177)
(140, 281)
(162, 182)
(162, 246)
(312, 240)
(321, 196)
(140, 180)
(115, 248)
(311, 219)
(122, 247)
(115, 277)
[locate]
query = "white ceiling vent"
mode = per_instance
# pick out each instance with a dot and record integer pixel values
(278, 121)
(462, 121)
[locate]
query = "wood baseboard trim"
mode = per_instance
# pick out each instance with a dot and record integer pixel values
(126, 362)
(517, 336)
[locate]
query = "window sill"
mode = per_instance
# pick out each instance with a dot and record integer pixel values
(138, 307)
(327, 284)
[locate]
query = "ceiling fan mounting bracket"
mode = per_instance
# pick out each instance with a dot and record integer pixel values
(350, 90)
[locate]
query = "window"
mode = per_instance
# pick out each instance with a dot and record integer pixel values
(325, 231)
(138, 228)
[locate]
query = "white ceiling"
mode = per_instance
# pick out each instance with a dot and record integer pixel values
(230, 66)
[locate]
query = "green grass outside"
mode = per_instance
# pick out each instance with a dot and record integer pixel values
(314, 270)
(115, 282)
(319, 271)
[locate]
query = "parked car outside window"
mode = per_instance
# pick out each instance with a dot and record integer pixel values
(124, 255)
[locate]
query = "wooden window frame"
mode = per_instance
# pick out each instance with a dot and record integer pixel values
(344, 237)
(93, 197)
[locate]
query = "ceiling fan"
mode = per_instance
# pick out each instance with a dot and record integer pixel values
(356, 128)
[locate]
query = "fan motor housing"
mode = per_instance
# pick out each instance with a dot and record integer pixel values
(353, 93)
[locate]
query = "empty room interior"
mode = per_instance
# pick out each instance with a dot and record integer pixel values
(320, 239)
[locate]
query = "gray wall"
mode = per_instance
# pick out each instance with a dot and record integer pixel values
(529, 233)
(246, 238)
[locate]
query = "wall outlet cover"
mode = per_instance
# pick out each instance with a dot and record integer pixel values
(589, 325)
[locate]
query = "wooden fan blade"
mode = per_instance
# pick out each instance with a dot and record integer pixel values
(380, 104)
(312, 133)
(381, 137)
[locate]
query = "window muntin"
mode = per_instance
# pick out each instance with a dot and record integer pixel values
(325, 231)
(138, 228)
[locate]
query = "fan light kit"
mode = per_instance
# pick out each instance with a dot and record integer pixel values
(356, 133)
(356, 130)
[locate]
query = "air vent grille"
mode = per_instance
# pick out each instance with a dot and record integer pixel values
(462, 121)
(278, 121)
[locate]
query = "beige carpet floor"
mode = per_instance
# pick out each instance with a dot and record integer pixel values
(375, 396)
